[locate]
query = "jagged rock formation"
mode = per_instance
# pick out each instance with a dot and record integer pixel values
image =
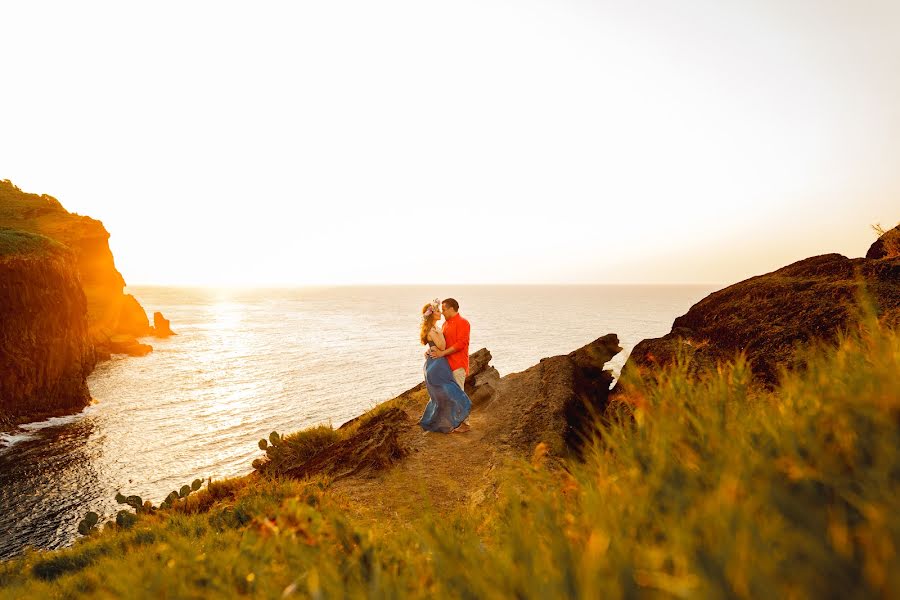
(112, 319)
(45, 349)
(770, 315)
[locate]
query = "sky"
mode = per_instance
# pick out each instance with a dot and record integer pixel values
(527, 141)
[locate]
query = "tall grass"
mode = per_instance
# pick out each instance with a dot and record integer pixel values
(703, 488)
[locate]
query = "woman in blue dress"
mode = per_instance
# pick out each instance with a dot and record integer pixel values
(448, 405)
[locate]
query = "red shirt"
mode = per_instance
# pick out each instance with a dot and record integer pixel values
(456, 333)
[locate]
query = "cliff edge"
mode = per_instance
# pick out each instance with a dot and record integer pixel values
(45, 349)
(62, 305)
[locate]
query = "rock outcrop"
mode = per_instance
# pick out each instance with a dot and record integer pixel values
(770, 316)
(112, 319)
(45, 350)
(562, 396)
(161, 326)
(887, 245)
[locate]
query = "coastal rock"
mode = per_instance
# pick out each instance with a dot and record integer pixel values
(65, 251)
(161, 327)
(132, 319)
(127, 344)
(886, 246)
(483, 379)
(769, 316)
(561, 397)
(45, 350)
(109, 308)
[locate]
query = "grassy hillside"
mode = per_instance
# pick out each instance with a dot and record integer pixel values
(701, 487)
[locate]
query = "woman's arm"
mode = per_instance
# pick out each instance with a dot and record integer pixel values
(438, 338)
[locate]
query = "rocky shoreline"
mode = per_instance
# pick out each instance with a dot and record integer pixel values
(62, 307)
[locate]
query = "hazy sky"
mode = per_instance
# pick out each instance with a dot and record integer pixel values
(458, 142)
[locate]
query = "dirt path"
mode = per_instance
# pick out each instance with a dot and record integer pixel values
(442, 470)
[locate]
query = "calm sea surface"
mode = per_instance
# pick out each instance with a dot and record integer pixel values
(246, 362)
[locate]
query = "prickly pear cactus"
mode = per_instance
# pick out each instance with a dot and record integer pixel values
(86, 526)
(125, 519)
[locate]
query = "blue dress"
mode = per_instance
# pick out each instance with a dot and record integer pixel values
(448, 405)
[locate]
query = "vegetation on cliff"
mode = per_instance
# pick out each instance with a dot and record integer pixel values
(699, 485)
(21, 243)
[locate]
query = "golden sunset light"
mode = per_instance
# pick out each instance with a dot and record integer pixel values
(579, 142)
(527, 299)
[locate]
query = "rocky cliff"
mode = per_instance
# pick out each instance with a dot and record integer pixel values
(63, 305)
(45, 349)
(770, 316)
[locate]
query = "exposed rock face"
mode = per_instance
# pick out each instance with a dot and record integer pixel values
(110, 311)
(886, 246)
(113, 319)
(483, 380)
(45, 350)
(768, 316)
(564, 394)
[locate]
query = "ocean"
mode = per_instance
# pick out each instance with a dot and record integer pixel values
(247, 362)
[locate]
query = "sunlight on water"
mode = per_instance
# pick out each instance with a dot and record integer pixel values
(246, 362)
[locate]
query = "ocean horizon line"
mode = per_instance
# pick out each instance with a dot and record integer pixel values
(285, 286)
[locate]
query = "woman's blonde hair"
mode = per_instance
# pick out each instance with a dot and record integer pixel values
(427, 322)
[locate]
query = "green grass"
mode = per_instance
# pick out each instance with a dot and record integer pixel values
(704, 487)
(13, 241)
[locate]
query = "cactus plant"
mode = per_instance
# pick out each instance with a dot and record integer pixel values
(87, 524)
(125, 519)
(274, 438)
(263, 444)
(195, 485)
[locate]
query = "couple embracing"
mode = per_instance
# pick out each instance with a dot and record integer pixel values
(446, 367)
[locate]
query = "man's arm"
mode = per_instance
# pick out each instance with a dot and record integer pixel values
(461, 345)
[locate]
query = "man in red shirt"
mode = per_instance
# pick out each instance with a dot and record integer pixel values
(456, 333)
